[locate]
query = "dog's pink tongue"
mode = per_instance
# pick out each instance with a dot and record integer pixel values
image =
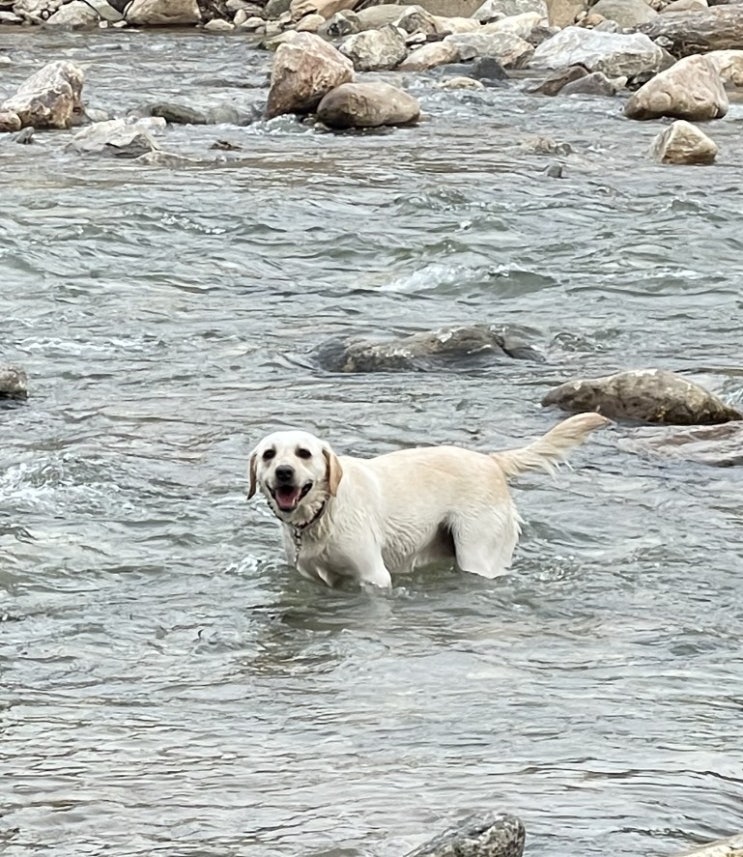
(287, 498)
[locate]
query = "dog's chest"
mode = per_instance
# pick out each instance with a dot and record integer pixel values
(316, 558)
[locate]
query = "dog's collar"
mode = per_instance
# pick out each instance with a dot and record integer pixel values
(298, 530)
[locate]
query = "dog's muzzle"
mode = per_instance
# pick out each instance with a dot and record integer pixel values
(286, 494)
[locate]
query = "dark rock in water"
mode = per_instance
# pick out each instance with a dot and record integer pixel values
(13, 383)
(473, 345)
(491, 835)
(718, 445)
(596, 83)
(488, 69)
(554, 171)
(225, 146)
(555, 82)
(644, 396)
(182, 114)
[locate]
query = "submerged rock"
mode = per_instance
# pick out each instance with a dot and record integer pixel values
(595, 83)
(50, 98)
(718, 445)
(304, 70)
(183, 114)
(118, 137)
(13, 383)
(645, 396)
(691, 89)
(684, 143)
(473, 344)
(367, 105)
(490, 835)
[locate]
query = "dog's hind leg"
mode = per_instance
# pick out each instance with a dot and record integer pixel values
(484, 539)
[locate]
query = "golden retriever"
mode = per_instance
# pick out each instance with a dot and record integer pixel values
(369, 518)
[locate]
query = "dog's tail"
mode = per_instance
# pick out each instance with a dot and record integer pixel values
(552, 448)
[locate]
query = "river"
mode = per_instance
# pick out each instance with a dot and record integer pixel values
(168, 686)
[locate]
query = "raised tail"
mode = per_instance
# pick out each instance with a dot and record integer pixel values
(552, 448)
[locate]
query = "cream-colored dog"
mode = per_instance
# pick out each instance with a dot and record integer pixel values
(366, 519)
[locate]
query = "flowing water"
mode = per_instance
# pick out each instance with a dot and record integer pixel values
(169, 686)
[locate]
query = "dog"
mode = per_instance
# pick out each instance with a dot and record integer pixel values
(369, 518)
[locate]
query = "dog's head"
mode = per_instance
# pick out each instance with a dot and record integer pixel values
(296, 472)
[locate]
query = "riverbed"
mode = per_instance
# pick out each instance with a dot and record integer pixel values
(169, 686)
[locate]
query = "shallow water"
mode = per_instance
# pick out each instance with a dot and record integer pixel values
(169, 685)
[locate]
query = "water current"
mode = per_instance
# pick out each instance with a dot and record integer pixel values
(169, 686)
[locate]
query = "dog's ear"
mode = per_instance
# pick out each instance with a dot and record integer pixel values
(252, 474)
(335, 471)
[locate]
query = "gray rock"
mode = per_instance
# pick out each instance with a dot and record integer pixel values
(472, 345)
(491, 835)
(50, 98)
(13, 383)
(627, 13)
(562, 13)
(415, 19)
(374, 17)
(555, 82)
(118, 137)
(645, 396)
(341, 24)
(488, 69)
(183, 114)
(493, 10)
(367, 105)
(683, 143)
(9, 121)
(163, 13)
(76, 15)
(376, 50)
(595, 83)
(510, 50)
(615, 54)
(429, 56)
(275, 8)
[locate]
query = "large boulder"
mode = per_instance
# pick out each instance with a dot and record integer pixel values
(376, 50)
(685, 33)
(13, 383)
(367, 105)
(729, 65)
(644, 396)
(627, 13)
(163, 13)
(77, 15)
(616, 54)
(50, 98)
(430, 56)
(510, 50)
(684, 143)
(470, 345)
(415, 19)
(304, 70)
(690, 89)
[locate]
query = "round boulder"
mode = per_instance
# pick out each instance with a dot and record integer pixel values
(367, 105)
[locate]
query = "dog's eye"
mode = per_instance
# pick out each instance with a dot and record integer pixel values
(303, 453)
(269, 454)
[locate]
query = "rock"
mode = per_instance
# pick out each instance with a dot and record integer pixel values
(643, 395)
(488, 69)
(540, 34)
(376, 50)
(683, 143)
(326, 8)
(341, 24)
(717, 29)
(13, 383)
(729, 65)
(450, 8)
(182, 114)
(508, 49)
(9, 121)
(118, 137)
(374, 17)
(430, 56)
(36, 11)
(732, 846)
(304, 70)
(276, 8)
(717, 445)
(492, 10)
(684, 6)
(310, 24)
(77, 15)
(613, 53)
(691, 89)
(24, 137)
(519, 25)
(555, 82)
(163, 13)
(490, 835)
(415, 19)
(595, 83)
(627, 13)
(473, 344)
(253, 24)
(460, 83)
(367, 105)
(218, 25)
(10, 18)
(50, 98)
(562, 13)
(457, 25)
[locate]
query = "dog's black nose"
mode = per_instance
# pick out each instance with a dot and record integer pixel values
(284, 474)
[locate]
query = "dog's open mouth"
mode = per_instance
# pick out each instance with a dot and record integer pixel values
(287, 497)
